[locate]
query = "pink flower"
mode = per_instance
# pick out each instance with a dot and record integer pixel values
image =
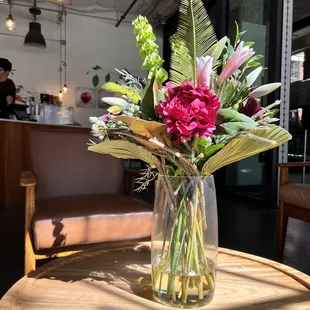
(239, 56)
(251, 107)
(204, 69)
(105, 117)
(188, 111)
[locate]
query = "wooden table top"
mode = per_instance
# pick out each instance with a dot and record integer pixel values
(110, 277)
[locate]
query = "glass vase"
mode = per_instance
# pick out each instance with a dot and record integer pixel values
(184, 241)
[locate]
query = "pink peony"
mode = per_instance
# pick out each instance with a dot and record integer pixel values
(251, 107)
(189, 111)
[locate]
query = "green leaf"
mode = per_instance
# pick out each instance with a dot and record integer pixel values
(125, 150)
(253, 142)
(253, 64)
(235, 121)
(264, 90)
(232, 128)
(237, 32)
(147, 102)
(18, 89)
(108, 78)
(87, 72)
(256, 58)
(212, 149)
(252, 77)
(249, 43)
(95, 80)
(200, 144)
(217, 49)
(235, 116)
(97, 68)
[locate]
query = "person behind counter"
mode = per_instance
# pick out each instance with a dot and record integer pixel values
(7, 87)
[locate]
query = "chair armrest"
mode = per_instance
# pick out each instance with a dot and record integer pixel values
(284, 170)
(293, 165)
(27, 178)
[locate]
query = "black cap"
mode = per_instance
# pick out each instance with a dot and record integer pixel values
(5, 64)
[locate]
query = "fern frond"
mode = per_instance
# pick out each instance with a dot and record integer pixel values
(181, 70)
(122, 90)
(196, 30)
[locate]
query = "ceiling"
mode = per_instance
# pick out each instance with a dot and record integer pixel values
(157, 11)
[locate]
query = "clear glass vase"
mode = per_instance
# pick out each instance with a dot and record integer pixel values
(184, 241)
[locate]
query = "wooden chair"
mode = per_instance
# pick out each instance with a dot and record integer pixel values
(294, 201)
(76, 198)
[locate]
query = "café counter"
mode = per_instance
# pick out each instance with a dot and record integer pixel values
(15, 155)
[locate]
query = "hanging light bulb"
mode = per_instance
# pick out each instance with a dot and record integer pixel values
(65, 89)
(60, 95)
(10, 23)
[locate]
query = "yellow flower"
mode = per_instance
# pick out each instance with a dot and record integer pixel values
(115, 110)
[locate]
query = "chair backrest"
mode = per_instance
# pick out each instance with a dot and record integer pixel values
(63, 165)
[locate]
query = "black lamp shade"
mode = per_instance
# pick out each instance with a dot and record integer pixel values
(34, 37)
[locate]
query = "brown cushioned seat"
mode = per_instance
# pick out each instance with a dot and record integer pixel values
(72, 220)
(296, 194)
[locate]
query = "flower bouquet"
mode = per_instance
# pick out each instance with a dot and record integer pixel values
(206, 116)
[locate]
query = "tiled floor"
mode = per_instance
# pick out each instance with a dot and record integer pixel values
(242, 227)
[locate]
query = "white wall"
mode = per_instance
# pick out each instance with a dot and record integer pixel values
(89, 42)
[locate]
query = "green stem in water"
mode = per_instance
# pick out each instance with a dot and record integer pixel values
(174, 255)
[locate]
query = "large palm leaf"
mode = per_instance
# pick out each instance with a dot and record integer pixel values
(196, 32)
(257, 140)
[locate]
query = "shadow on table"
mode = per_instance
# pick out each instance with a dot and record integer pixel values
(126, 267)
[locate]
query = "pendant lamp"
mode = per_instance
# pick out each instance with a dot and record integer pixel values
(34, 37)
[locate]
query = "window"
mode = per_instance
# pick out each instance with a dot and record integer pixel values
(297, 67)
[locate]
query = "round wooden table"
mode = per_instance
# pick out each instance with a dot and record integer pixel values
(118, 277)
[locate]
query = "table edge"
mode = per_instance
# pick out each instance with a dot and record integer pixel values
(14, 291)
(295, 274)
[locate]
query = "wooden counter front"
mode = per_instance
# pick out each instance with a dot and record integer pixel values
(15, 156)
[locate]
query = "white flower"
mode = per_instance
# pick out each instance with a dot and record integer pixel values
(93, 119)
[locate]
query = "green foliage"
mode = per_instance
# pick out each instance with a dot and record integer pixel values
(233, 121)
(147, 102)
(212, 149)
(232, 93)
(145, 38)
(95, 80)
(107, 78)
(181, 61)
(252, 77)
(200, 144)
(265, 90)
(217, 50)
(196, 33)
(203, 149)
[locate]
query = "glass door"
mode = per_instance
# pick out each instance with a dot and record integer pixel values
(247, 176)
(256, 177)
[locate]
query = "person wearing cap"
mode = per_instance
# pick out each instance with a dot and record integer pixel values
(7, 86)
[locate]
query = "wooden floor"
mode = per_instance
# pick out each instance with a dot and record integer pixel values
(242, 226)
